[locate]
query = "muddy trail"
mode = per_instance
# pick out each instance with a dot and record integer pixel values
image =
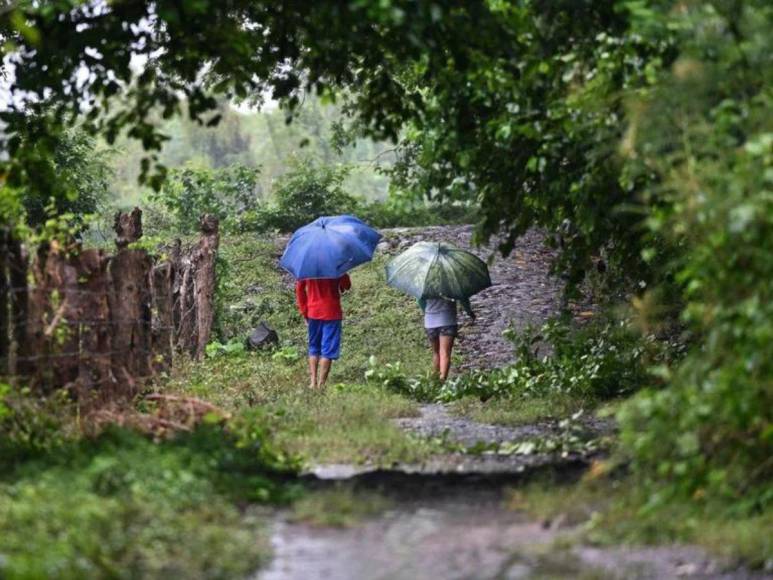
(464, 528)
(452, 517)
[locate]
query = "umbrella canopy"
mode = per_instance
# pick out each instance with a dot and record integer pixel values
(432, 270)
(328, 247)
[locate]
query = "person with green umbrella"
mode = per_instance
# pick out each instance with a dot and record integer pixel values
(439, 276)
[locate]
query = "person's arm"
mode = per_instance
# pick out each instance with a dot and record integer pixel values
(300, 297)
(344, 283)
(422, 303)
(467, 307)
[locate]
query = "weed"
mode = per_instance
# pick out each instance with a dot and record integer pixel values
(124, 506)
(340, 506)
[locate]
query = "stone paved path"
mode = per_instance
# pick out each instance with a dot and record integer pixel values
(523, 290)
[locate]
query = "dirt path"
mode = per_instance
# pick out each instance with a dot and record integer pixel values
(523, 292)
(467, 532)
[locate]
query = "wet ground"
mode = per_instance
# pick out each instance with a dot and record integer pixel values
(445, 529)
(446, 538)
(449, 517)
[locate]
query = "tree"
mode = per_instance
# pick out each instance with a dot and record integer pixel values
(84, 176)
(517, 105)
(230, 193)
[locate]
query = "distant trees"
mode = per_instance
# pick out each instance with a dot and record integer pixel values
(229, 193)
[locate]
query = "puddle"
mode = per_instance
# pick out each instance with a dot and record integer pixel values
(458, 526)
(448, 537)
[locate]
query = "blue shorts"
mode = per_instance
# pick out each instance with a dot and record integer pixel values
(324, 338)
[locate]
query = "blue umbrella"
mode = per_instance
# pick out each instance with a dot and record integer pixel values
(328, 247)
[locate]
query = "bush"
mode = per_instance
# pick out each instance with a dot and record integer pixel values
(391, 376)
(306, 192)
(30, 425)
(230, 193)
(605, 359)
(122, 506)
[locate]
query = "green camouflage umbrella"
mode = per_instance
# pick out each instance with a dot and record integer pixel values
(432, 270)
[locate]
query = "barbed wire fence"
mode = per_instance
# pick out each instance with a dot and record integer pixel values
(102, 324)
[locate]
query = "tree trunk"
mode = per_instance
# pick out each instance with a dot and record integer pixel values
(5, 339)
(205, 281)
(130, 300)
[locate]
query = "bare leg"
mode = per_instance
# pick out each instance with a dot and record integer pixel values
(434, 344)
(313, 364)
(446, 345)
(324, 369)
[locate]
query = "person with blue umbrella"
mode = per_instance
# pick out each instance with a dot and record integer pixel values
(319, 255)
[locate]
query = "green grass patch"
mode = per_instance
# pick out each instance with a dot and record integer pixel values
(607, 510)
(123, 506)
(339, 507)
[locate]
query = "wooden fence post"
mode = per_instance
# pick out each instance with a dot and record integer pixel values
(127, 227)
(129, 301)
(5, 339)
(205, 258)
(163, 323)
(130, 306)
(95, 373)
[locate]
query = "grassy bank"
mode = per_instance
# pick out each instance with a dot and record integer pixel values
(608, 509)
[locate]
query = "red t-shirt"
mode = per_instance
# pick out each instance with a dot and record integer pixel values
(321, 299)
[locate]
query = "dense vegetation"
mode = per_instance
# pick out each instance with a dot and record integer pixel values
(640, 134)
